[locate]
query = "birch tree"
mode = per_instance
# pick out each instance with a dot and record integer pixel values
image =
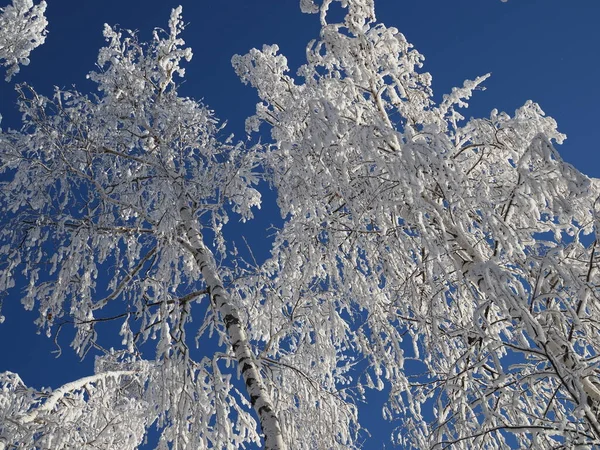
(449, 262)
(126, 183)
(467, 247)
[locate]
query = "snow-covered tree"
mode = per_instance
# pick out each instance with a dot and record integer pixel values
(126, 183)
(468, 246)
(449, 262)
(22, 28)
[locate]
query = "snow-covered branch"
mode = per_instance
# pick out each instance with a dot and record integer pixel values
(66, 389)
(22, 29)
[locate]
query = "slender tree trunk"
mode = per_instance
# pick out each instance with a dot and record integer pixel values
(259, 396)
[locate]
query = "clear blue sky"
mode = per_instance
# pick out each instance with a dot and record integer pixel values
(543, 50)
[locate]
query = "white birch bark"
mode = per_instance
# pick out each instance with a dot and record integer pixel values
(259, 396)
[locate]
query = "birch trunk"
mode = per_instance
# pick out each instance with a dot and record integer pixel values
(259, 396)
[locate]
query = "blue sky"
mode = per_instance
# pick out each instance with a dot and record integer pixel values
(543, 50)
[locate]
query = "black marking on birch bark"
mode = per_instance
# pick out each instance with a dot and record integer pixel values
(265, 408)
(230, 320)
(223, 301)
(253, 399)
(246, 367)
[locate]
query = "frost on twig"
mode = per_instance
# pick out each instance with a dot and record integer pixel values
(22, 28)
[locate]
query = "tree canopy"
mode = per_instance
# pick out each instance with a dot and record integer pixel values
(447, 262)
